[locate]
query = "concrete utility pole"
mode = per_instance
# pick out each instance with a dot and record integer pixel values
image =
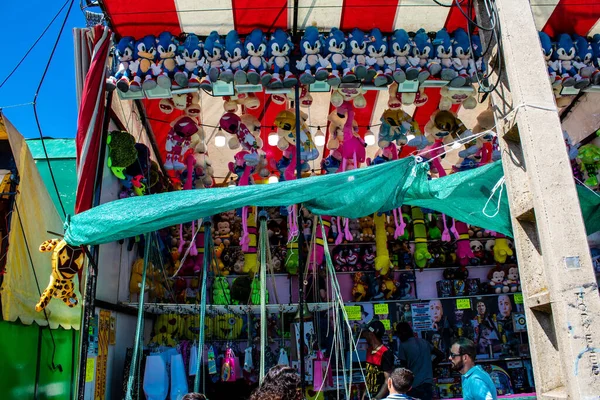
(562, 305)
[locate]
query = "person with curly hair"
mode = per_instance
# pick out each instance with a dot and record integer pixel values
(194, 396)
(280, 383)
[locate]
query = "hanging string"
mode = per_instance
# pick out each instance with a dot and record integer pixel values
(140, 320)
(203, 296)
(498, 185)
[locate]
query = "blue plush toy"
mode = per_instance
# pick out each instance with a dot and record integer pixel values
(420, 60)
(357, 54)
(236, 62)
(442, 44)
(331, 164)
(311, 47)
(548, 50)
(279, 49)
(335, 50)
(583, 59)
(124, 53)
(565, 54)
(256, 48)
(144, 67)
(189, 61)
(478, 55)
(595, 44)
(400, 48)
(213, 51)
(463, 58)
(166, 49)
(377, 50)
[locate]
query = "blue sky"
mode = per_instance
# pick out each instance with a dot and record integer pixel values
(22, 23)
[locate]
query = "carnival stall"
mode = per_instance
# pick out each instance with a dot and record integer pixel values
(268, 178)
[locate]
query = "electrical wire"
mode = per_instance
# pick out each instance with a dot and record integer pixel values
(37, 121)
(33, 45)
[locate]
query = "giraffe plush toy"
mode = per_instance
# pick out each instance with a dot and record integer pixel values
(66, 262)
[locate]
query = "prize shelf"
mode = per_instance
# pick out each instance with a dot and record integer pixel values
(363, 271)
(165, 308)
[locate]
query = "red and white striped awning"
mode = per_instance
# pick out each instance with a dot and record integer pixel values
(138, 18)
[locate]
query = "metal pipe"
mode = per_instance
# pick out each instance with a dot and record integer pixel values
(91, 277)
(300, 246)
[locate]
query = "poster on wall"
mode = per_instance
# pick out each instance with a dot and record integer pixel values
(420, 317)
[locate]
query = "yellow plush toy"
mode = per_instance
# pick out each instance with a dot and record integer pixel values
(66, 262)
(382, 259)
(228, 326)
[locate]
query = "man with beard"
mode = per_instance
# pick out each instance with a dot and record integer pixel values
(380, 361)
(476, 383)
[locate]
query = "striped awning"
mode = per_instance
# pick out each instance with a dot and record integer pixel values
(138, 18)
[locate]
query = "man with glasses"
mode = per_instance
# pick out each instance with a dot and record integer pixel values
(476, 383)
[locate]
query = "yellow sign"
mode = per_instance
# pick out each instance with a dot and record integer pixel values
(518, 298)
(386, 323)
(463, 304)
(382, 309)
(90, 370)
(353, 312)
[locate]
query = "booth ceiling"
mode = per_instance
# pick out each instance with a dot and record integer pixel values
(138, 18)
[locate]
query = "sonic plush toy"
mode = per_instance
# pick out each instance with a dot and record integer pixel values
(565, 54)
(548, 51)
(420, 59)
(256, 48)
(279, 49)
(357, 54)
(190, 62)
(213, 50)
(236, 62)
(442, 45)
(583, 59)
(124, 53)
(311, 46)
(377, 50)
(335, 49)
(595, 44)
(144, 67)
(463, 60)
(400, 48)
(166, 49)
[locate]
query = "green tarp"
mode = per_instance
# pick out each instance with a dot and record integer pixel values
(350, 194)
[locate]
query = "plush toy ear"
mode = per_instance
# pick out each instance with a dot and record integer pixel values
(233, 143)
(282, 144)
(360, 101)
(337, 99)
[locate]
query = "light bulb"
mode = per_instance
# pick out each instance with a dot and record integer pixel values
(231, 183)
(220, 139)
(319, 138)
(410, 137)
(273, 179)
(369, 137)
(273, 139)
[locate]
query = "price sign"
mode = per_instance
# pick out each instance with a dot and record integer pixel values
(90, 370)
(353, 312)
(518, 298)
(381, 309)
(387, 324)
(463, 304)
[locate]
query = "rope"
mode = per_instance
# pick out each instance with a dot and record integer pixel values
(139, 324)
(203, 295)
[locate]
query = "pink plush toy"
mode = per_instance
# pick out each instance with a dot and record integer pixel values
(179, 141)
(463, 245)
(353, 147)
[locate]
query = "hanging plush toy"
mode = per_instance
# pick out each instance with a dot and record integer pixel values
(66, 263)
(420, 58)
(377, 50)
(279, 49)
(144, 67)
(421, 254)
(235, 61)
(190, 61)
(400, 49)
(357, 55)
(589, 155)
(166, 50)
(221, 292)
(360, 290)
(442, 45)
(311, 48)
(285, 122)
(464, 96)
(179, 140)
(249, 244)
(463, 248)
(353, 148)
(383, 264)
(121, 152)
(256, 48)
(335, 50)
(247, 158)
(124, 54)
(228, 326)
(213, 51)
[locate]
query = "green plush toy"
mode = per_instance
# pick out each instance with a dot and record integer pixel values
(121, 152)
(256, 292)
(221, 293)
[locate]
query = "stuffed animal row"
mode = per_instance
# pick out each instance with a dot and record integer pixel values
(572, 60)
(372, 57)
